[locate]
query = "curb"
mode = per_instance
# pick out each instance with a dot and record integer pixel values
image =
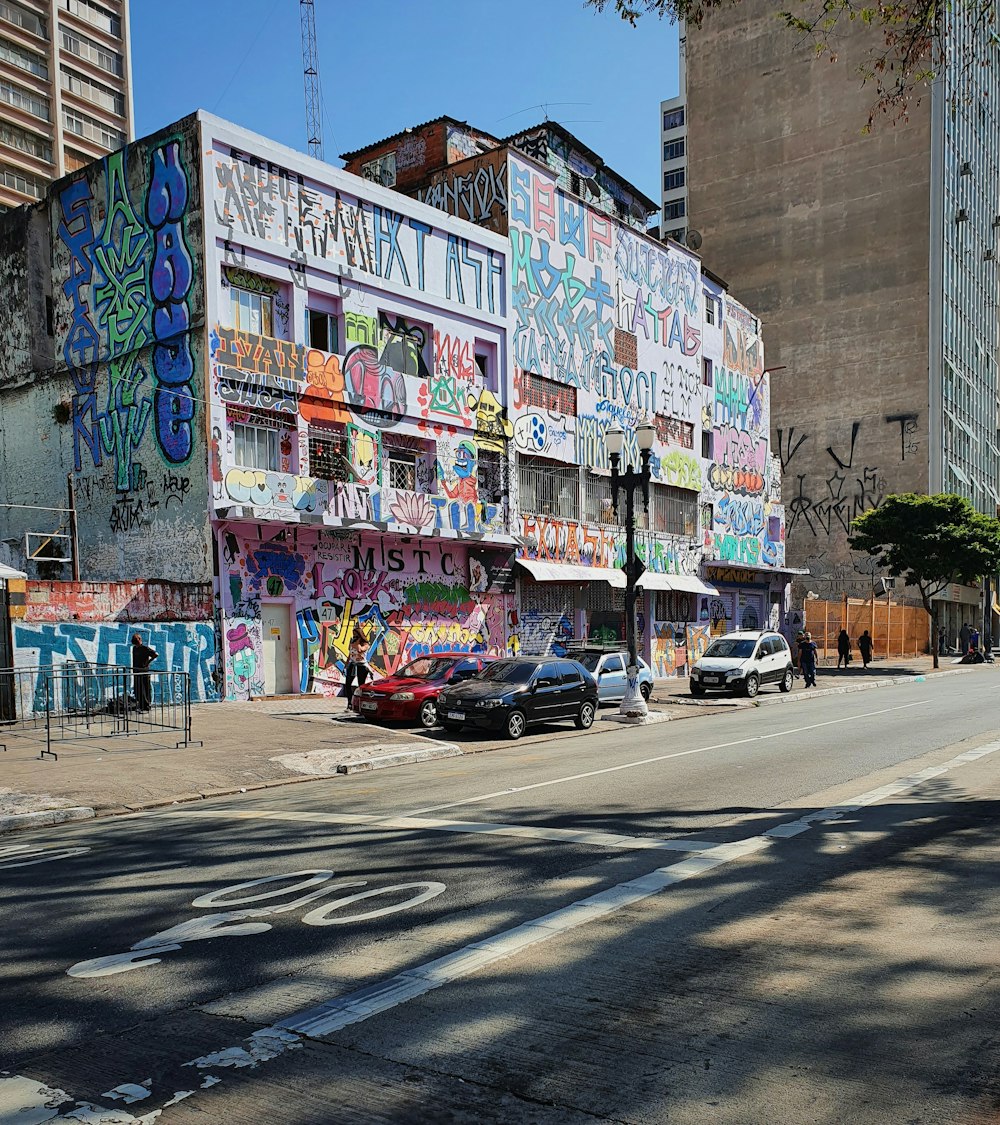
(46, 818)
(403, 758)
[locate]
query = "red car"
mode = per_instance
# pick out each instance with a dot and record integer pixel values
(411, 694)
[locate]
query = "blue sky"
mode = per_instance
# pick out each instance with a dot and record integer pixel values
(386, 64)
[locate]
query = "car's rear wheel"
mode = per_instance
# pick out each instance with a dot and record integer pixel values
(428, 714)
(696, 688)
(646, 690)
(451, 726)
(752, 685)
(786, 680)
(585, 716)
(516, 724)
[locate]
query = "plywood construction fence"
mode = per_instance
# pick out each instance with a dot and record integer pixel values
(898, 630)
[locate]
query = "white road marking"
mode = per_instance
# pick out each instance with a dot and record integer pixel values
(331, 1016)
(26, 855)
(661, 758)
(411, 823)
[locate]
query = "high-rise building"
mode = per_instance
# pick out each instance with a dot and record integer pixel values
(870, 258)
(673, 138)
(65, 90)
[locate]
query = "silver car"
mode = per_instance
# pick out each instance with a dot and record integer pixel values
(608, 669)
(743, 662)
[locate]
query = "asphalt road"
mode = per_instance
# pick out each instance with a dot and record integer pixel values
(721, 920)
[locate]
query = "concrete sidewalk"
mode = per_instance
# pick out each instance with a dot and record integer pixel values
(266, 743)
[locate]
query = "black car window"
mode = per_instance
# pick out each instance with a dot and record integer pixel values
(613, 664)
(508, 672)
(549, 672)
(569, 673)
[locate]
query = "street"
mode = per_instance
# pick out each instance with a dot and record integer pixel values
(785, 914)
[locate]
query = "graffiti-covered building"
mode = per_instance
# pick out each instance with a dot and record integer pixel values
(228, 365)
(611, 326)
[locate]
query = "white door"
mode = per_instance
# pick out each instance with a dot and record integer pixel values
(275, 620)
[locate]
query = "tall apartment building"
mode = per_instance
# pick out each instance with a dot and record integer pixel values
(65, 90)
(872, 260)
(673, 138)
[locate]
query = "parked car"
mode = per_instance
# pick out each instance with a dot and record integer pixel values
(609, 670)
(743, 662)
(511, 695)
(411, 695)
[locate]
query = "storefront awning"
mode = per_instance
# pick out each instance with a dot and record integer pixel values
(568, 572)
(687, 583)
(718, 564)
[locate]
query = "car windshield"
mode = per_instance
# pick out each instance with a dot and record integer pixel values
(427, 668)
(508, 672)
(729, 646)
(589, 660)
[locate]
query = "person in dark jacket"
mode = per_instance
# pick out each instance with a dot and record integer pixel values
(142, 657)
(843, 648)
(807, 659)
(865, 645)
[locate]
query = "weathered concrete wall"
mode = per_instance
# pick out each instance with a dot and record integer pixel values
(823, 232)
(475, 190)
(117, 601)
(119, 404)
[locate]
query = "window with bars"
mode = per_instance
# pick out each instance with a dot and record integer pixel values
(489, 476)
(252, 311)
(548, 488)
(673, 511)
(256, 446)
(16, 137)
(400, 469)
(104, 97)
(546, 394)
(709, 309)
(673, 605)
(597, 502)
(23, 18)
(23, 59)
(76, 43)
(328, 454)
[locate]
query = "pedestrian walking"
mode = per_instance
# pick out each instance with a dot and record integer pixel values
(964, 635)
(807, 659)
(843, 648)
(142, 657)
(800, 636)
(942, 641)
(865, 646)
(357, 665)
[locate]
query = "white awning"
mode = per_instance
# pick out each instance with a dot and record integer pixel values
(8, 572)
(568, 572)
(687, 583)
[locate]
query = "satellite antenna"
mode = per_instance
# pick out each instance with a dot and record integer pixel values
(693, 240)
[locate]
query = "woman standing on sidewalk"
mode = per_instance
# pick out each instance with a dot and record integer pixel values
(843, 648)
(357, 665)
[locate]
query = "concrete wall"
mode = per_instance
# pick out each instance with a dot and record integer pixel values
(117, 401)
(823, 233)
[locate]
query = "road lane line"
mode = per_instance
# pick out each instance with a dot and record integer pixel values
(331, 1016)
(426, 824)
(659, 758)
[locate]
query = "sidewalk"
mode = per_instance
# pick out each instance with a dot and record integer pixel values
(283, 741)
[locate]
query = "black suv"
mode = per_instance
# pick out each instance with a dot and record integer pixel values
(511, 695)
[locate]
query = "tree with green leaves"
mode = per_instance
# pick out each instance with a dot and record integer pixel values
(910, 41)
(929, 541)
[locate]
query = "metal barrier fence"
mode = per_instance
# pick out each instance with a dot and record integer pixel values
(86, 701)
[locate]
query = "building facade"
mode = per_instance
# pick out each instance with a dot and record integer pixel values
(65, 90)
(673, 159)
(872, 259)
(611, 326)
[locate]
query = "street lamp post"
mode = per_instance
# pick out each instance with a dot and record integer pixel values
(633, 706)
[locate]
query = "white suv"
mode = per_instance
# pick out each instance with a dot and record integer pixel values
(743, 662)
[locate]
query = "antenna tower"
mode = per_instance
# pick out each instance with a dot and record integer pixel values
(310, 75)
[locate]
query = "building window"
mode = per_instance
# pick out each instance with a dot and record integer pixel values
(672, 431)
(673, 118)
(84, 126)
(324, 331)
(16, 137)
(76, 43)
(545, 394)
(76, 160)
(709, 309)
(486, 364)
(328, 454)
(674, 606)
(673, 511)
(406, 344)
(96, 92)
(252, 311)
(489, 476)
(256, 447)
(706, 517)
(548, 488)
(674, 179)
(706, 444)
(20, 181)
(95, 15)
(674, 150)
(401, 469)
(23, 59)
(706, 372)
(674, 210)
(21, 99)
(23, 18)
(677, 234)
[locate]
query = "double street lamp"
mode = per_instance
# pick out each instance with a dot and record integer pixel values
(633, 706)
